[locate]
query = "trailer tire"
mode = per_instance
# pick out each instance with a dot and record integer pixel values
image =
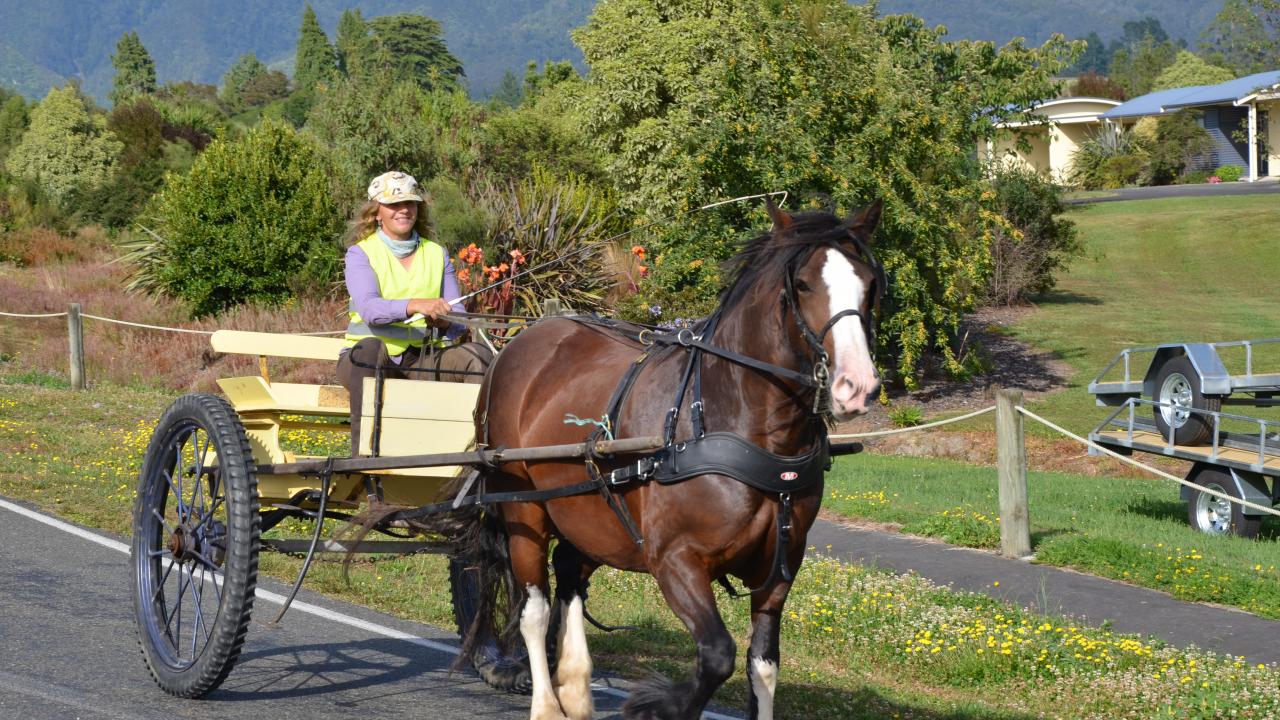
(1213, 515)
(1178, 395)
(506, 670)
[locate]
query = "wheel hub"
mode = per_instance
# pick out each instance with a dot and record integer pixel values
(1176, 400)
(199, 542)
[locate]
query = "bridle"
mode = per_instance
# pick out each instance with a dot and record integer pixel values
(790, 301)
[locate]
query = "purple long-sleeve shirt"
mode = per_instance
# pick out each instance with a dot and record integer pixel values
(366, 297)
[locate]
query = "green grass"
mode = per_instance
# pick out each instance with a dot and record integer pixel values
(1156, 271)
(1130, 529)
(857, 643)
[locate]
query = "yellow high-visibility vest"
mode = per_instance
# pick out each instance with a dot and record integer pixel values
(422, 279)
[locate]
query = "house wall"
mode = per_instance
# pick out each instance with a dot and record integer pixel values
(1037, 158)
(1064, 142)
(1272, 109)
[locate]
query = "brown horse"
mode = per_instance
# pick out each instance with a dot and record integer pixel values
(813, 270)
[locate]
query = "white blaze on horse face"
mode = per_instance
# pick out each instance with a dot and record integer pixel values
(853, 379)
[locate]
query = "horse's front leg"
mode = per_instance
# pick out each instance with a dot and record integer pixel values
(686, 586)
(572, 681)
(762, 655)
(527, 526)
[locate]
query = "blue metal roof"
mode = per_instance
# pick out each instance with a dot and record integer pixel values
(1166, 100)
(1229, 91)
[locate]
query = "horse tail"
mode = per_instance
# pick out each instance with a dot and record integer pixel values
(486, 598)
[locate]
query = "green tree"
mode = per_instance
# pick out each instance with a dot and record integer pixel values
(139, 167)
(1244, 36)
(135, 70)
(1188, 70)
(411, 47)
(509, 92)
(1137, 67)
(254, 221)
(382, 124)
(826, 100)
(66, 147)
(1095, 58)
(354, 46)
(238, 76)
(315, 60)
(13, 120)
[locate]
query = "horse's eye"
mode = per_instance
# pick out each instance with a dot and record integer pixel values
(802, 286)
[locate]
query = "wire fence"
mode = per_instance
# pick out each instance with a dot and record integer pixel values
(1002, 441)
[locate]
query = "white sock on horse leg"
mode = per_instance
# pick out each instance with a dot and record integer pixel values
(764, 682)
(534, 619)
(573, 670)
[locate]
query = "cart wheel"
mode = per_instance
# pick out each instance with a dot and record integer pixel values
(1178, 392)
(195, 545)
(509, 670)
(1214, 516)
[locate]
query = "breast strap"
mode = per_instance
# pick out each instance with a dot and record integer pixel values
(728, 454)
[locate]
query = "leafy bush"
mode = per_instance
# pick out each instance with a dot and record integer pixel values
(906, 416)
(1107, 161)
(36, 246)
(1092, 84)
(531, 222)
(1033, 241)
(1177, 139)
(1229, 173)
(254, 221)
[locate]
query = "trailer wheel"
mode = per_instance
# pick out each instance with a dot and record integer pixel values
(1215, 516)
(195, 545)
(1178, 395)
(506, 670)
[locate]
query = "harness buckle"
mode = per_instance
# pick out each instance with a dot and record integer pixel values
(821, 379)
(686, 337)
(645, 337)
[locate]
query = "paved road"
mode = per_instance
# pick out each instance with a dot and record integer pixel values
(1262, 187)
(68, 650)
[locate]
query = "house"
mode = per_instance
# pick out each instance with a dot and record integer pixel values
(1047, 139)
(1234, 113)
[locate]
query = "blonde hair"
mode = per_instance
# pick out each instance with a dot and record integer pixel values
(364, 221)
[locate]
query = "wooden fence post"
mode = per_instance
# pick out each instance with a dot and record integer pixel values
(1011, 465)
(75, 340)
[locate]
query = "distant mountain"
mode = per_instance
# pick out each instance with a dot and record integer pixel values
(1036, 20)
(42, 43)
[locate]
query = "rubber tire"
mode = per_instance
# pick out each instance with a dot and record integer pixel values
(196, 419)
(1195, 428)
(507, 671)
(1213, 515)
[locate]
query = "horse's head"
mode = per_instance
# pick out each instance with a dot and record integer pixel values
(833, 286)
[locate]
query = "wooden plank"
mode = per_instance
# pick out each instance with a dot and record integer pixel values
(254, 394)
(422, 399)
(1153, 442)
(306, 347)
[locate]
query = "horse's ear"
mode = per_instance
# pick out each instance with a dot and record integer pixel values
(781, 220)
(865, 221)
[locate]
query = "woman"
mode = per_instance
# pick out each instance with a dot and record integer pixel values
(398, 281)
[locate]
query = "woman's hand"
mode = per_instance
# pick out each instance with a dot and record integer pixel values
(432, 308)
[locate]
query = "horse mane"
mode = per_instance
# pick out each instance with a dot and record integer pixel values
(766, 257)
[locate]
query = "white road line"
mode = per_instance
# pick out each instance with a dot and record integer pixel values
(305, 607)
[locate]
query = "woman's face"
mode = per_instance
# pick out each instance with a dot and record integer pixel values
(397, 219)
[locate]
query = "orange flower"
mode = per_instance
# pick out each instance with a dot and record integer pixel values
(638, 251)
(518, 257)
(644, 271)
(503, 267)
(464, 275)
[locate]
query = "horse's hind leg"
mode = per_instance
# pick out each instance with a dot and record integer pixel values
(527, 527)
(762, 655)
(686, 585)
(572, 680)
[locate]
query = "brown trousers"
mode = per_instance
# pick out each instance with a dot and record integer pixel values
(448, 364)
